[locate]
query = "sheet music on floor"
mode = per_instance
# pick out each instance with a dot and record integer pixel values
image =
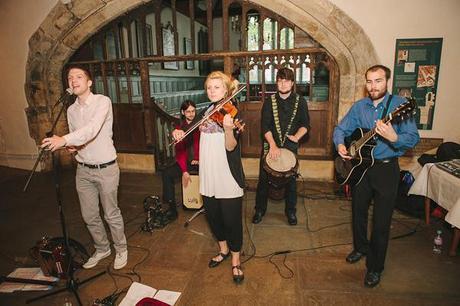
(27, 273)
(138, 291)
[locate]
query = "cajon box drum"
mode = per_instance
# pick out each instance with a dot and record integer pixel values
(191, 196)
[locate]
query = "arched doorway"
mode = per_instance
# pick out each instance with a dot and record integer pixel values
(336, 33)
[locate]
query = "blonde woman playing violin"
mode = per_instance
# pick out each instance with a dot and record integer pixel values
(221, 176)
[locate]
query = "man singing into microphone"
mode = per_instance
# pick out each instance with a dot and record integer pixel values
(90, 122)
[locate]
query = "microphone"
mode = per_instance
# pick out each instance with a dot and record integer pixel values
(64, 97)
(68, 92)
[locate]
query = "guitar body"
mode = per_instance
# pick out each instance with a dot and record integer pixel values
(361, 144)
(352, 171)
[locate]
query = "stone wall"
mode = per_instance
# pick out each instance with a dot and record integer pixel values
(69, 25)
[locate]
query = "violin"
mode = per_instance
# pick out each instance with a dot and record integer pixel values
(217, 114)
(227, 108)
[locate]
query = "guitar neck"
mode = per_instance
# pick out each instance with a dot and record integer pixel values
(371, 133)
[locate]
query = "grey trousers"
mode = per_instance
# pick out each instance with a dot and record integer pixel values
(101, 184)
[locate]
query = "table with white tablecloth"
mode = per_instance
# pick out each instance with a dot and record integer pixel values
(443, 188)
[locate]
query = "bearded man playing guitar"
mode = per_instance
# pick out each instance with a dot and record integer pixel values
(380, 181)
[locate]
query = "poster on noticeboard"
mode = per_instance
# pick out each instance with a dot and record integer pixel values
(416, 72)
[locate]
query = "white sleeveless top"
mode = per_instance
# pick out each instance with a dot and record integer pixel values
(216, 180)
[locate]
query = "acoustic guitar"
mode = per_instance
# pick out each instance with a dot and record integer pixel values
(360, 145)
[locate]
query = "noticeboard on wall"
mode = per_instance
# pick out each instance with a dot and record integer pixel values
(416, 72)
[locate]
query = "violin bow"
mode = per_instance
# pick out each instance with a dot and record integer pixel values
(216, 109)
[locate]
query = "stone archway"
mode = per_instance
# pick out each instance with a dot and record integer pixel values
(69, 25)
(340, 35)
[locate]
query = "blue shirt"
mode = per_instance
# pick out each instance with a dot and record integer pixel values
(363, 114)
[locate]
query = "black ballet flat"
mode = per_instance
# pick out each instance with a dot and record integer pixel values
(238, 278)
(214, 263)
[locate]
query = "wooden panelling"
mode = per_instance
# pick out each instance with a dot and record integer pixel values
(252, 138)
(129, 120)
(145, 97)
(314, 145)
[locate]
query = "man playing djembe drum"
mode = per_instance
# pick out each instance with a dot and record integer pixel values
(284, 122)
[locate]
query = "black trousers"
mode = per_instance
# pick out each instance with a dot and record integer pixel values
(170, 175)
(380, 183)
(225, 220)
(262, 192)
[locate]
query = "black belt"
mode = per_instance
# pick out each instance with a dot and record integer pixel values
(385, 160)
(100, 166)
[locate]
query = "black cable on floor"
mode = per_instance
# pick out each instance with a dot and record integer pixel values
(147, 255)
(307, 222)
(251, 242)
(285, 252)
(319, 194)
(291, 272)
(127, 275)
(411, 232)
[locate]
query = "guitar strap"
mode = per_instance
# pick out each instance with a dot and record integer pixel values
(385, 110)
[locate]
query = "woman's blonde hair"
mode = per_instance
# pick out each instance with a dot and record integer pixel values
(229, 85)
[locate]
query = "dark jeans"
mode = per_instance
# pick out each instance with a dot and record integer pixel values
(262, 192)
(380, 183)
(225, 220)
(169, 177)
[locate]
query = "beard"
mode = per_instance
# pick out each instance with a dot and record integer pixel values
(377, 94)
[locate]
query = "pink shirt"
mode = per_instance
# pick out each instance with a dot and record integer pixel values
(90, 126)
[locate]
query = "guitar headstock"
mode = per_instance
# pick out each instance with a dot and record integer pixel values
(405, 110)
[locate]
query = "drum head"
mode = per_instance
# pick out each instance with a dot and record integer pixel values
(284, 163)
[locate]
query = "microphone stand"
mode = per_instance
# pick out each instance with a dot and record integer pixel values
(50, 133)
(72, 283)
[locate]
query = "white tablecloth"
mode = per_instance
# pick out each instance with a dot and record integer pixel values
(441, 187)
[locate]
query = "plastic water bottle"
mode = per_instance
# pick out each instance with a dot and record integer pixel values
(437, 245)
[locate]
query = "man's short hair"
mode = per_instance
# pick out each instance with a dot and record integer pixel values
(285, 74)
(81, 67)
(379, 67)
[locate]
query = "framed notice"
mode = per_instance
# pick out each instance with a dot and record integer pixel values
(188, 50)
(169, 46)
(416, 72)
